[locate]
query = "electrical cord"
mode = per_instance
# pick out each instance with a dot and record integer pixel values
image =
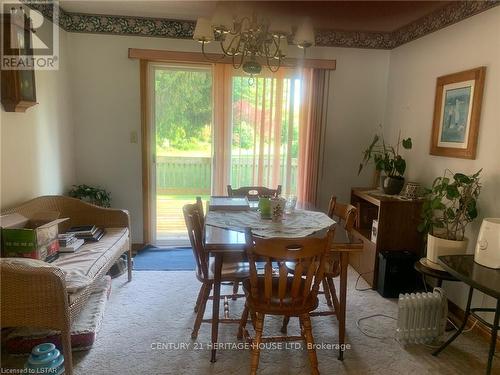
(357, 280)
(370, 335)
(391, 317)
(456, 328)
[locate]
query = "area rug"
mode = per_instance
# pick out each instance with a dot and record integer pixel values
(148, 323)
(153, 258)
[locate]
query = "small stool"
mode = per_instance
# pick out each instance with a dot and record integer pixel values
(424, 269)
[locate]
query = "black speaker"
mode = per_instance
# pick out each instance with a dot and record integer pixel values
(396, 273)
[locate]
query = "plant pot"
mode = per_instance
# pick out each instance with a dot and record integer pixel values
(437, 247)
(393, 185)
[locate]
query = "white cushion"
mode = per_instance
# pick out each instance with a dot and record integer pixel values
(73, 280)
(82, 266)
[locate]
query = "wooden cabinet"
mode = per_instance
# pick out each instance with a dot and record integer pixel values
(398, 220)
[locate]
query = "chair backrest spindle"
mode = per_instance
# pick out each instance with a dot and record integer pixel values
(253, 192)
(346, 213)
(193, 216)
(307, 253)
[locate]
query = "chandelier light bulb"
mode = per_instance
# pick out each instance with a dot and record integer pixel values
(283, 47)
(203, 31)
(304, 37)
(280, 27)
(222, 21)
(252, 41)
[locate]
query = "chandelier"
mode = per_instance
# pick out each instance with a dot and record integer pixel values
(252, 41)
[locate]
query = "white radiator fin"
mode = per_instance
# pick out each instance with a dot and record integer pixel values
(422, 317)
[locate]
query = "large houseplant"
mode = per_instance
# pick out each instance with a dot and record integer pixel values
(388, 160)
(91, 194)
(449, 206)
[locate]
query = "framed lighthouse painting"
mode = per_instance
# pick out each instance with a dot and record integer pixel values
(457, 110)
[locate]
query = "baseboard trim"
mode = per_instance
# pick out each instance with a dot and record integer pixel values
(457, 315)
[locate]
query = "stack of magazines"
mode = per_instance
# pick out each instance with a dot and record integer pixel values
(68, 243)
(88, 233)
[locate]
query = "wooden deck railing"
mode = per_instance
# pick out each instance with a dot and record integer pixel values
(193, 175)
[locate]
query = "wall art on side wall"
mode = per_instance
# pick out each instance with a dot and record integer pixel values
(457, 110)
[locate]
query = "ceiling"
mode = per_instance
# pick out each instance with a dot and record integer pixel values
(374, 16)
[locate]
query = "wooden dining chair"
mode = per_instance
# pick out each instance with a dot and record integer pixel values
(236, 284)
(253, 192)
(231, 271)
(278, 293)
(345, 215)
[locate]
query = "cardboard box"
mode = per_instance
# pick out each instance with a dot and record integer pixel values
(30, 238)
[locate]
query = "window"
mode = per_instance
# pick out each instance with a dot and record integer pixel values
(265, 130)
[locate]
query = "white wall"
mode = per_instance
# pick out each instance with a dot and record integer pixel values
(106, 85)
(357, 100)
(413, 70)
(37, 155)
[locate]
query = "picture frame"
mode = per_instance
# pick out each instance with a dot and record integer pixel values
(457, 110)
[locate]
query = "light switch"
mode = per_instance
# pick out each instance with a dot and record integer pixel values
(133, 136)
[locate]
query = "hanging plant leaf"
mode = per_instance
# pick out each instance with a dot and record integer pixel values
(452, 192)
(385, 156)
(407, 143)
(461, 178)
(451, 206)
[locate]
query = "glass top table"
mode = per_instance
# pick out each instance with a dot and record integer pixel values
(482, 278)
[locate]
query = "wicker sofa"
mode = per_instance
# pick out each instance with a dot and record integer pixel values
(49, 295)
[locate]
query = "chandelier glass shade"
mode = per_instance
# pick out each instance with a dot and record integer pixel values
(250, 41)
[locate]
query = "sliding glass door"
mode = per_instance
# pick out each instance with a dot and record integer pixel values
(265, 131)
(182, 117)
(212, 126)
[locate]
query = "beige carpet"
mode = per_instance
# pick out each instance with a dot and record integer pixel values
(157, 308)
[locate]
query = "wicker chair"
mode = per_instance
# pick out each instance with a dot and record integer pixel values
(253, 192)
(280, 294)
(36, 296)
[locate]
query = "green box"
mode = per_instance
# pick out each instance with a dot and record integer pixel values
(29, 238)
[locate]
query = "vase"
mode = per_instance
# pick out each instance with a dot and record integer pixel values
(393, 185)
(277, 209)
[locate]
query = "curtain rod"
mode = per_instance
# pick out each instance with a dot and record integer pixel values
(176, 56)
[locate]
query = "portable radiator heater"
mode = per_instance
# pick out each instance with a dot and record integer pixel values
(422, 317)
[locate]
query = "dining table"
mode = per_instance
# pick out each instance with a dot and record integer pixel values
(225, 237)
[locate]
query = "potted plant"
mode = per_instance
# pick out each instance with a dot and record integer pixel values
(388, 160)
(94, 195)
(449, 206)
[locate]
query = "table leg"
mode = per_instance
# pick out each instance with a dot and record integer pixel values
(344, 261)
(493, 338)
(216, 303)
(459, 331)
